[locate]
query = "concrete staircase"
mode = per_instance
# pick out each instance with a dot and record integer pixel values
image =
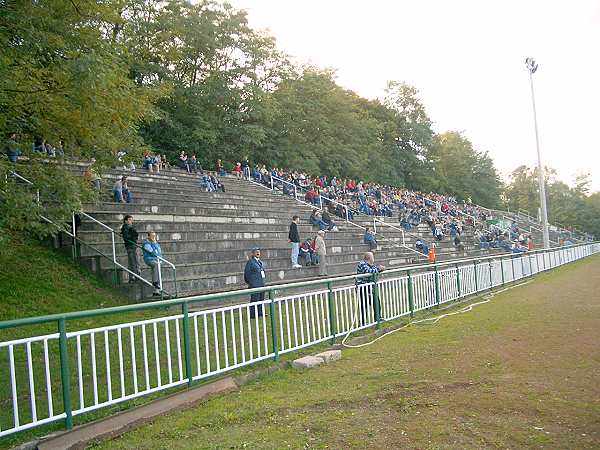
(209, 235)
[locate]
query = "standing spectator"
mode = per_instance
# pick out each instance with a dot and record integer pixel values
(152, 251)
(364, 286)
(13, 149)
(246, 169)
(130, 238)
(294, 239)
(321, 251)
(121, 191)
(369, 239)
(237, 170)
(193, 164)
(254, 276)
(220, 169)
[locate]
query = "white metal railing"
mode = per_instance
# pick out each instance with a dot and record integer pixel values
(113, 234)
(73, 234)
(377, 220)
(346, 209)
(57, 376)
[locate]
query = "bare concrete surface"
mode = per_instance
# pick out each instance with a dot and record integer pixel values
(330, 355)
(307, 362)
(112, 426)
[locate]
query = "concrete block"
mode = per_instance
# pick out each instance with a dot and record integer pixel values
(307, 362)
(330, 355)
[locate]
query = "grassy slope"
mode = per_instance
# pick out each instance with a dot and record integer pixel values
(34, 280)
(520, 372)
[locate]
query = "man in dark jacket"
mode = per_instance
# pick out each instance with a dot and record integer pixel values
(130, 238)
(294, 239)
(254, 276)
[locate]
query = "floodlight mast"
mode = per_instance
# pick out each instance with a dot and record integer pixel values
(532, 68)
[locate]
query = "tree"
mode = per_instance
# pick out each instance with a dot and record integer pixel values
(464, 172)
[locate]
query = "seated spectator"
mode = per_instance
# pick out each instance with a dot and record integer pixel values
(369, 239)
(237, 170)
(457, 243)
(421, 246)
(315, 219)
(326, 217)
(121, 191)
(215, 182)
(206, 183)
(13, 149)
(92, 176)
(182, 162)
(152, 251)
(165, 162)
(39, 145)
(307, 253)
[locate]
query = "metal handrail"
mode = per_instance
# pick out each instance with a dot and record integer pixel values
(245, 292)
(114, 256)
(73, 235)
(375, 220)
(347, 215)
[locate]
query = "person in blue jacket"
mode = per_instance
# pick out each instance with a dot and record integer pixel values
(369, 239)
(151, 250)
(254, 276)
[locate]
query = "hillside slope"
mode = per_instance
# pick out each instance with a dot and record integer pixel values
(35, 280)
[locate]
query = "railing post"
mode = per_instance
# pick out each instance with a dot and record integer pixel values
(475, 273)
(374, 225)
(320, 201)
(272, 188)
(458, 287)
(332, 324)
(502, 270)
(186, 343)
(114, 251)
(411, 298)
(65, 373)
(295, 193)
(436, 277)
(274, 340)
(376, 304)
(491, 281)
(347, 215)
(512, 266)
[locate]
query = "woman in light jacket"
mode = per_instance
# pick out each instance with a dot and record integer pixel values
(321, 252)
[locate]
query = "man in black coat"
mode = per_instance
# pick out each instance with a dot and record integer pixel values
(294, 238)
(130, 238)
(254, 276)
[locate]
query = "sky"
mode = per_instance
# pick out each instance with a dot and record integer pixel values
(467, 59)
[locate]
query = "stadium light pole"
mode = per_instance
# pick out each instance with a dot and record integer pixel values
(532, 67)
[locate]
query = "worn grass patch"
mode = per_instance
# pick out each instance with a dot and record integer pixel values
(519, 372)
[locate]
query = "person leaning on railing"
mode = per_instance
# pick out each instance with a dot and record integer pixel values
(130, 238)
(365, 293)
(152, 251)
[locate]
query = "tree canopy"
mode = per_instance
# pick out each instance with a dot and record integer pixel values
(171, 76)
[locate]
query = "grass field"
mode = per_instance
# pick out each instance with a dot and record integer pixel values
(520, 372)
